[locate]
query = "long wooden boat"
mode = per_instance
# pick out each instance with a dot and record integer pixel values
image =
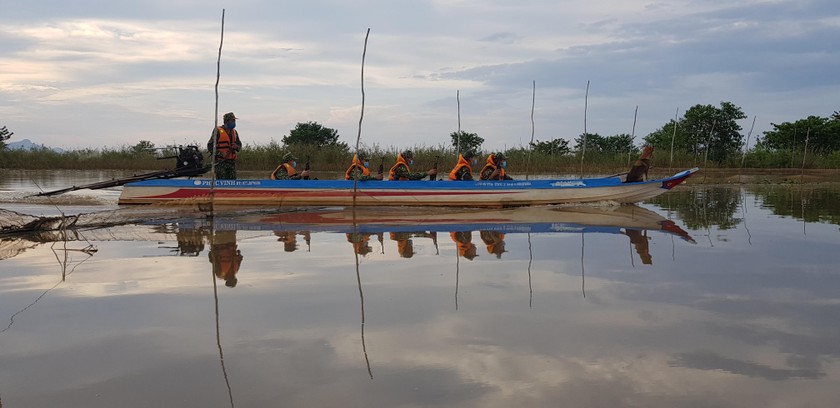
(508, 193)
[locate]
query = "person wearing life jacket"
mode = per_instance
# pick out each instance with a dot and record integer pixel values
(225, 257)
(359, 169)
(401, 170)
(227, 143)
(495, 168)
(495, 242)
(463, 241)
(286, 170)
(463, 170)
(360, 242)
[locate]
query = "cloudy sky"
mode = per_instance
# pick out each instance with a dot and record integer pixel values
(96, 73)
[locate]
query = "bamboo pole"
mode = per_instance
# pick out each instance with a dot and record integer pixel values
(362, 114)
(632, 134)
(673, 136)
(585, 107)
(531, 144)
(804, 154)
(458, 142)
(215, 134)
(746, 147)
(708, 145)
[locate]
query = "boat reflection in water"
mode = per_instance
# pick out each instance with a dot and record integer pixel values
(467, 228)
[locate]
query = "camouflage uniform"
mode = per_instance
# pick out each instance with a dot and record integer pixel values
(226, 170)
(283, 174)
(356, 174)
(402, 172)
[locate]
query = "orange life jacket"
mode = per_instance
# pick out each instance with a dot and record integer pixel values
(462, 162)
(463, 241)
(289, 170)
(356, 164)
(491, 164)
(392, 174)
(226, 144)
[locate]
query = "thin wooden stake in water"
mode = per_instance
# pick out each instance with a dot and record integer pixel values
(708, 145)
(804, 154)
(632, 134)
(585, 107)
(362, 115)
(458, 102)
(531, 144)
(673, 136)
(746, 147)
(216, 117)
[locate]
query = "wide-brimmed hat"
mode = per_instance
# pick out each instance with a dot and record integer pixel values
(289, 157)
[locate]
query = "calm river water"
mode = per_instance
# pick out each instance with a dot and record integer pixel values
(705, 297)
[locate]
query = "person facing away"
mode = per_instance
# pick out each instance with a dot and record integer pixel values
(359, 169)
(495, 168)
(402, 170)
(286, 169)
(463, 170)
(227, 143)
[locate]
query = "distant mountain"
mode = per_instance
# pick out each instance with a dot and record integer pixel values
(27, 144)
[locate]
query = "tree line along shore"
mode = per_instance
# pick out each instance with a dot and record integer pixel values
(705, 136)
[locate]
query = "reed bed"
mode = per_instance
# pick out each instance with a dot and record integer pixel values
(335, 158)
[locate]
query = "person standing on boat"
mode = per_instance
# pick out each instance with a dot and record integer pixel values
(495, 168)
(286, 170)
(359, 170)
(227, 143)
(463, 170)
(402, 170)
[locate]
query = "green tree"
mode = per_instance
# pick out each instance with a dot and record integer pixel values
(143, 147)
(556, 147)
(467, 140)
(595, 143)
(703, 129)
(5, 134)
(314, 134)
(823, 135)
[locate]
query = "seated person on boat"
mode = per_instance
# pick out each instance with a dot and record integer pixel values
(286, 170)
(402, 171)
(495, 168)
(463, 170)
(359, 169)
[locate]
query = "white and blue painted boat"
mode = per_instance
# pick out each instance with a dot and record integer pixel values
(509, 193)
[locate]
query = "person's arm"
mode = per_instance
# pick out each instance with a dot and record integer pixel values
(464, 174)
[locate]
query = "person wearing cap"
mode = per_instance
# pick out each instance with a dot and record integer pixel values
(495, 168)
(401, 170)
(286, 170)
(227, 144)
(463, 170)
(359, 169)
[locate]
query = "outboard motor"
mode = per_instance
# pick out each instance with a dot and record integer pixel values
(189, 157)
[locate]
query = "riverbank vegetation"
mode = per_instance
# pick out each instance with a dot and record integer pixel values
(705, 136)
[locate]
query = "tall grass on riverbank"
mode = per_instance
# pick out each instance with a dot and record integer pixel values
(333, 158)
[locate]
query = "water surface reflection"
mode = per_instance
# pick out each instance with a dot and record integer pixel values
(334, 307)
